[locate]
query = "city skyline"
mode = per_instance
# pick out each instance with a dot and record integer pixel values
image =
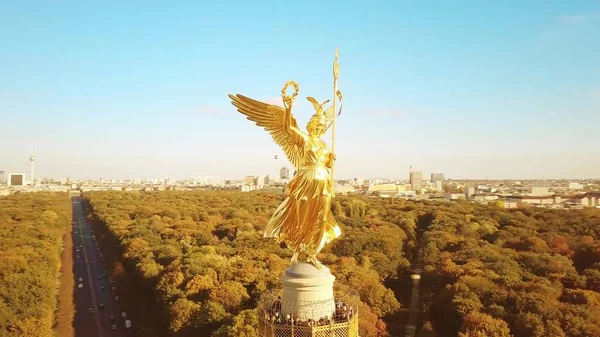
(275, 172)
(474, 91)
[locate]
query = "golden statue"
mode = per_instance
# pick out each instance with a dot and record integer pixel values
(303, 220)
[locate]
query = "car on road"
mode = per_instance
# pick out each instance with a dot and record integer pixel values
(117, 299)
(102, 288)
(90, 310)
(80, 285)
(77, 249)
(112, 318)
(80, 279)
(78, 256)
(101, 305)
(99, 277)
(114, 327)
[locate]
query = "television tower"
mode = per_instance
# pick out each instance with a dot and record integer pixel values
(32, 160)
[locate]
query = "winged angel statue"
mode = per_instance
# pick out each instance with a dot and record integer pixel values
(303, 220)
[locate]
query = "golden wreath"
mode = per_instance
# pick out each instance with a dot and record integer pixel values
(284, 94)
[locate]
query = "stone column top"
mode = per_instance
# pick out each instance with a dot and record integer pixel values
(306, 270)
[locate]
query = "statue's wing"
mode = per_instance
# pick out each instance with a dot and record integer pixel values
(271, 118)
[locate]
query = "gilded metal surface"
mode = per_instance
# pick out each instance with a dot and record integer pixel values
(303, 220)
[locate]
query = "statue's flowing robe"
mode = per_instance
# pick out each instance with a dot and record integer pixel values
(304, 220)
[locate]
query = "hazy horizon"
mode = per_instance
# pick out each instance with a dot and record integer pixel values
(164, 170)
(472, 90)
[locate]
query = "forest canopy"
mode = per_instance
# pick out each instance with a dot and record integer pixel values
(32, 233)
(201, 260)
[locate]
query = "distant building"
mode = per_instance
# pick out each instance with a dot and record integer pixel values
(535, 200)
(2, 181)
(437, 177)
(469, 191)
(539, 188)
(284, 173)
(454, 196)
(593, 195)
(389, 188)
(32, 159)
(539, 191)
(416, 180)
(575, 186)
(591, 199)
(16, 179)
(248, 188)
(484, 197)
(207, 180)
(582, 200)
(359, 181)
(343, 189)
(260, 181)
(250, 180)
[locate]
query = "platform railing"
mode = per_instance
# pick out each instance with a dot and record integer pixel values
(342, 321)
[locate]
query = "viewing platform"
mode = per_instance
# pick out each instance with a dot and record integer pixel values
(341, 322)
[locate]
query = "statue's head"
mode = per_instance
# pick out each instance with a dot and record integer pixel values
(318, 122)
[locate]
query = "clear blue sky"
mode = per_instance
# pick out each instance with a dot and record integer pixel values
(479, 89)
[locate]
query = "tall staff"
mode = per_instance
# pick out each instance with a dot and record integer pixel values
(336, 74)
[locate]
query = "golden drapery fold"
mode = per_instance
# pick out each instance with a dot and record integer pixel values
(304, 221)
